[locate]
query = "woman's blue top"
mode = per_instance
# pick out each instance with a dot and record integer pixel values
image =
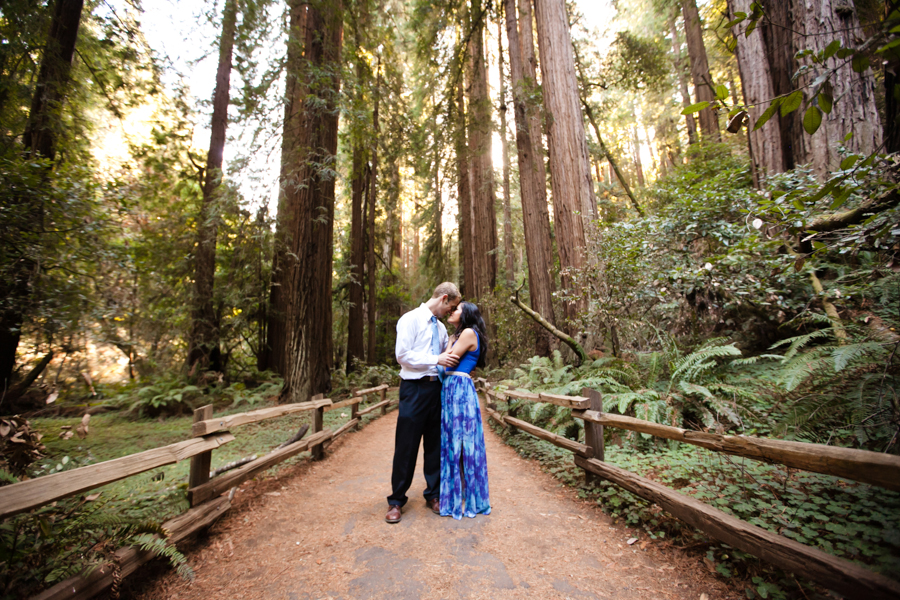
(470, 359)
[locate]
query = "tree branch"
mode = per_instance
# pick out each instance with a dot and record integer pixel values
(569, 340)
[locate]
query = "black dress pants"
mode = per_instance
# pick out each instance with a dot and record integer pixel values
(419, 419)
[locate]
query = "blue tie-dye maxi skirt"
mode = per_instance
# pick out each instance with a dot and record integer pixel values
(462, 434)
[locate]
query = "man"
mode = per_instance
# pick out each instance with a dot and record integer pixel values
(422, 353)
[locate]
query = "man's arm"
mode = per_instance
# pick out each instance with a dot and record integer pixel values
(406, 334)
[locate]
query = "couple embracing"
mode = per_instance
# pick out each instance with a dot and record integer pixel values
(439, 406)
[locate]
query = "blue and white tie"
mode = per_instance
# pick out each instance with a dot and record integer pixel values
(436, 345)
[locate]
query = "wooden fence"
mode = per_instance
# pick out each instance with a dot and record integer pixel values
(204, 492)
(845, 577)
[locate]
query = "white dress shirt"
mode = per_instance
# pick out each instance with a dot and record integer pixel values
(413, 349)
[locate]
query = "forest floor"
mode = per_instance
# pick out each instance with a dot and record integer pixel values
(316, 530)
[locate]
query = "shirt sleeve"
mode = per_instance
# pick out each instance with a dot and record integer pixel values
(406, 356)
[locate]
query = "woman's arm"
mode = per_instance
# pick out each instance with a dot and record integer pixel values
(468, 340)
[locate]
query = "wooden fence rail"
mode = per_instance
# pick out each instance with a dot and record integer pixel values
(859, 465)
(832, 572)
(32, 493)
(204, 493)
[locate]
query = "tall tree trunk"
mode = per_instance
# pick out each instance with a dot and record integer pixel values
(573, 194)
(682, 79)
(816, 23)
(40, 139)
(756, 81)
(534, 110)
(274, 353)
(703, 92)
(481, 166)
(370, 228)
(355, 327)
(395, 214)
(779, 49)
(891, 73)
(204, 351)
(464, 196)
(532, 186)
(638, 165)
(508, 251)
(310, 190)
(438, 216)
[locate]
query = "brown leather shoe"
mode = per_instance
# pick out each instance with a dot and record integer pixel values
(393, 515)
(435, 505)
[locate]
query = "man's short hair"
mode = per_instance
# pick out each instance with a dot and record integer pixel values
(448, 288)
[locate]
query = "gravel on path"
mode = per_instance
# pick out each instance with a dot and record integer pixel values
(317, 531)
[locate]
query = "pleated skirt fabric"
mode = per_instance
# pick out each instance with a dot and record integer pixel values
(464, 477)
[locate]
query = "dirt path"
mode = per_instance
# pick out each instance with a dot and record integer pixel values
(317, 531)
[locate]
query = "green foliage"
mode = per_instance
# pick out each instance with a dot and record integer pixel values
(58, 541)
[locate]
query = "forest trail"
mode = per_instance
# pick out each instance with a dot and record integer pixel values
(317, 531)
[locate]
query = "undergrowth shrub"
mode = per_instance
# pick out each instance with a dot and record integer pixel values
(77, 535)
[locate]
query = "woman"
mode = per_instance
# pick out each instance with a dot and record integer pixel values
(462, 437)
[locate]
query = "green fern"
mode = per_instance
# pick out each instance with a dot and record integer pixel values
(702, 360)
(161, 547)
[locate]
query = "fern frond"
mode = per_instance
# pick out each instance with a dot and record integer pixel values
(844, 355)
(699, 360)
(798, 342)
(752, 360)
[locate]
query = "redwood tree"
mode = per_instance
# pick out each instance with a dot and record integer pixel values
(507, 209)
(703, 91)
(533, 190)
(306, 207)
(480, 163)
(573, 190)
(204, 341)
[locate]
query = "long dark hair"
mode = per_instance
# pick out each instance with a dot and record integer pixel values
(471, 319)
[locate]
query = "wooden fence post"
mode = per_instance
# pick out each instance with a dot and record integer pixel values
(354, 414)
(201, 463)
(383, 398)
(317, 451)
(512, 411)
(593, 432)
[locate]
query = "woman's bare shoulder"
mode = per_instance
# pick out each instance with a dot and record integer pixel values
(467, 335)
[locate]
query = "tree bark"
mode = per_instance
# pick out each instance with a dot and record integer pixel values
(816, 24)
(891, 74)
(463, 193)
(709, 122)
(355, 328)
(532, 185)
(370, 228)
(204, 340)
(508, 251)
(779, 49)
(274, 353)
(682, 80)
(638, 165)
(534, 107)
(39, 141)
(573, 194)
(481, 165)
(308, 191)
(756, 82)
